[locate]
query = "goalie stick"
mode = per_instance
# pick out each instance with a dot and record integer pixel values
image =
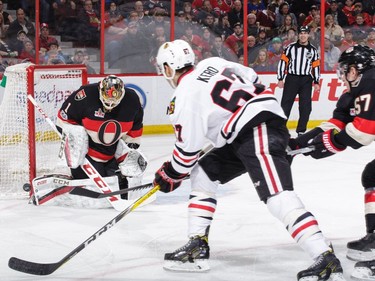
(81, 191)
(58, 191)
(87, 167)
(93, 194)
(48, 268)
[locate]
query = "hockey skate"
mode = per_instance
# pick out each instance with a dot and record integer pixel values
(364, 270)
(326, 267)
(362, 249)
(191, 257)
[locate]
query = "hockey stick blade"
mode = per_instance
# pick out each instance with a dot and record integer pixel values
(32, 267)
(301, 150)
(48, 268)
(81, 191)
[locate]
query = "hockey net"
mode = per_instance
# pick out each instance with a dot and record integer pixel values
(28, 145)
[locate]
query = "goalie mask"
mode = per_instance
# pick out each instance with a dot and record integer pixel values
(111, 91)
(177, 55)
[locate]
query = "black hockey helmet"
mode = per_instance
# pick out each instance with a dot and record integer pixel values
(361, 57)
(111, 91)
(303, 28)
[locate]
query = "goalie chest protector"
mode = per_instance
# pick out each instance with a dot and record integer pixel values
(83, 107)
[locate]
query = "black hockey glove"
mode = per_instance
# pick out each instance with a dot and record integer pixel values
(167, 178)
(326, 145)
(292, 145)
(302, 141)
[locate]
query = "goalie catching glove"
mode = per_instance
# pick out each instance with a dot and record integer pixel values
(325, 144)
(132, 163)
(167, 178)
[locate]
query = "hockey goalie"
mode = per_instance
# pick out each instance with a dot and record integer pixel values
(101, 125)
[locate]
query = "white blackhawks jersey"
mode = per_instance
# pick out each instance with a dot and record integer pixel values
(212, 103)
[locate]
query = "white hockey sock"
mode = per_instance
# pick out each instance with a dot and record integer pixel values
(301, 224)
(304, 228)
(201, 211)
(315, 245)
(202, 202)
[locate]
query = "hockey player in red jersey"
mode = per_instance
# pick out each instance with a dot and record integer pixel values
(219, 101)
(353, 125)
(101, 121)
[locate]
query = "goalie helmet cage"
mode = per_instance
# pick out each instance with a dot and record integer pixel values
(28, 145)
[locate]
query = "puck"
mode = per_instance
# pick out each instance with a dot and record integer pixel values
(26, 187)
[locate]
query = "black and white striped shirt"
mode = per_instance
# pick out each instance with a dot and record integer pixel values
(299, 59)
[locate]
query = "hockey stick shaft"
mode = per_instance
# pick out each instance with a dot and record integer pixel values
(48, 268)
(81, 191)
(87, 167)
(301, 150)
(93, 194)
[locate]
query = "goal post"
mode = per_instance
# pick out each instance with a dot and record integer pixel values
(29, 147)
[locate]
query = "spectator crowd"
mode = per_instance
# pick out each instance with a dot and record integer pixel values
(134, 30)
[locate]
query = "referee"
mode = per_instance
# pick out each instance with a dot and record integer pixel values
(300, 66)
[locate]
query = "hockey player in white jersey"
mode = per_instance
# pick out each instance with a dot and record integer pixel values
(219, 101)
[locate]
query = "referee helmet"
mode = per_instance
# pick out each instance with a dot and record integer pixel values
(303, 28)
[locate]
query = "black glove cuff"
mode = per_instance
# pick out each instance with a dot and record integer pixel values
(345, 140)
(172, 173)
(293, 144)
(303, 139)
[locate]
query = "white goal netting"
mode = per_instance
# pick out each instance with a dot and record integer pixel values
(50, 85)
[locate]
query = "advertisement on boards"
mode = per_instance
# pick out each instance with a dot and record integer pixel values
(155, 91)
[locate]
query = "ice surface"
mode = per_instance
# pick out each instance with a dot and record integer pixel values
(247, 243)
